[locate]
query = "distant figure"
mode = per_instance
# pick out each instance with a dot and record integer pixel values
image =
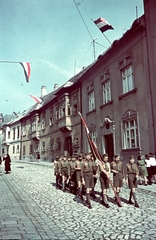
(7, 163)
(38, 156)
(149, 169)
(0, 164)
(142, 170)
(153, 165)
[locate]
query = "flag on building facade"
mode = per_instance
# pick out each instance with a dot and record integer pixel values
(103, 25)
(37, 99)
(26, 67)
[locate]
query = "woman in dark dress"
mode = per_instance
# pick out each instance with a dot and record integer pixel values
(7, 163)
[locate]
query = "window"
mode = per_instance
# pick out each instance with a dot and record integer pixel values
(14, 133)
(13, 150)
(91, 101)
(106, 92)
(8, 134)
(51, 118)
(17, 149)
(43, 147)
(24, 150)
(30, 148)
(130, 134)
(18, 132)
(33, 126)
(93, 136)
(127, 79)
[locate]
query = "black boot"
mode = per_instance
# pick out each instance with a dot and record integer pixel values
(130, 198)
(135, 201)
(88, 200)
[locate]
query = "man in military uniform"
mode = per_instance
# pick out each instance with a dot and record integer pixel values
(95, 175)
(118, 176)
(132, 174)
(72, 174)
(87, 177)
(104, 179)
(78, 165)
(64, 171)
(56, 170)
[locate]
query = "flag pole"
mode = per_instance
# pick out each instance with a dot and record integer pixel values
(97, 154)
(107, 38)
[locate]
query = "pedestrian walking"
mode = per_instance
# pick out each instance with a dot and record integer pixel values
(78, 166)
(38, 156)
(95, 175)
(105, 170)
(56, 170)
(153, 166)
(64, 172)
(142, 170)
(72, 175)
(132, 174)
(87, 177)
(0, 164)
(149, 169)
(7, 163)
(118, 176)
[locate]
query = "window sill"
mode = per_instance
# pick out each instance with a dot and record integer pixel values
(126, 94)
(94, 110)
(130, 149)
(106, 104)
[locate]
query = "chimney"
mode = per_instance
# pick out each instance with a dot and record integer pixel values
(43, 91)
(55, 86)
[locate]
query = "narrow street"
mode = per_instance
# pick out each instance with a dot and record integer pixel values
(32, 208)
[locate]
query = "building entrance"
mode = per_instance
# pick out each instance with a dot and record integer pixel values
(109, 146)
(68, 146)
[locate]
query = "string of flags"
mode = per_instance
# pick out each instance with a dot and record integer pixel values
(37, 99)
(26, 68)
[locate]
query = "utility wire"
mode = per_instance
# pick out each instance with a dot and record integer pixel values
(85, 54)
(83, 19)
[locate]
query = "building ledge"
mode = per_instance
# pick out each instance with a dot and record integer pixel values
(127, 94)
(106, 104)
(88, 113)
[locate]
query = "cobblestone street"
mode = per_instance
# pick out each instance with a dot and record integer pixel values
(32, 208)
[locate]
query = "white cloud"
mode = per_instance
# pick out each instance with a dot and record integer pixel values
(57, 68)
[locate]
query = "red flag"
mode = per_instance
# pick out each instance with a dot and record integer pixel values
(103, 25)
(37, 99)
(97, 154)
(26, 67)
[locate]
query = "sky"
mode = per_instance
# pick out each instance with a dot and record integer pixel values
(56, 37)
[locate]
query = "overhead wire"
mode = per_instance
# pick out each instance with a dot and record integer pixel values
(93, 40)
(83, 19)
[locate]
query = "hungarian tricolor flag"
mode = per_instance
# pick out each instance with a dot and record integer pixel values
(26, 67)
(103, 25)
(37, 99)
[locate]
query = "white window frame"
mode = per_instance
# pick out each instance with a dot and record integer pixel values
(127, 79)
(106, 92)
(130, 134)
(91, 99)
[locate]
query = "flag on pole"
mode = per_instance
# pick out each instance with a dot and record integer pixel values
(103, 25)
(96, 154)
(26, 67)
(37, 99)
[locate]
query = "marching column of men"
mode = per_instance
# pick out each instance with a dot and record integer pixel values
(79, 174)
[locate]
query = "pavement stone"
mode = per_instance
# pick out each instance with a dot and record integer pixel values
(32, 208)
